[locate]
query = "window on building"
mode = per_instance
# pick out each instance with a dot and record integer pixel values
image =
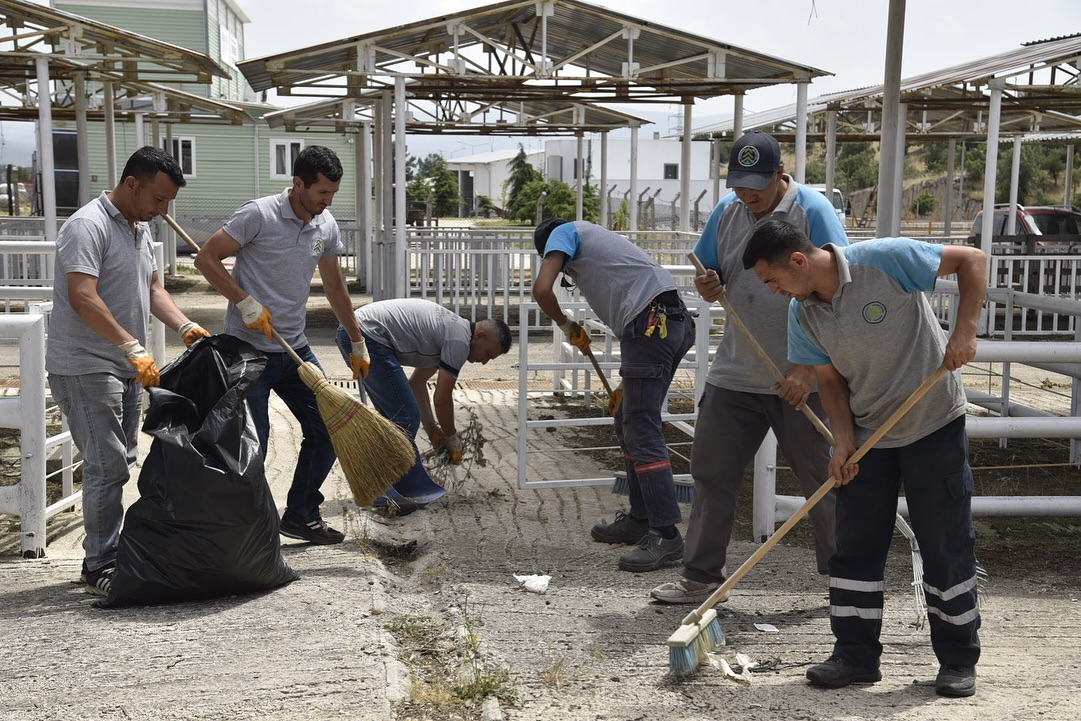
(282, 155)
(183, 151)
(229, 46)
(671, 171)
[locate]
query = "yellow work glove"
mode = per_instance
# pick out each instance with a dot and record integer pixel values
(615, 399)
(146, 371)
(453, 446)
(191, 332)
(255, 316)
(359, 360)
(577, 335)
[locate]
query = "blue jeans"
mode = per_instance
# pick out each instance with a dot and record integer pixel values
(103, 415)
(647, 366)
(393, 397)
(316, 452)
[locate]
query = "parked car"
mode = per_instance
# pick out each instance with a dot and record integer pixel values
(1037, 229)
(838, 201)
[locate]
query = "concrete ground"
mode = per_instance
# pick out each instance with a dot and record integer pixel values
(421, 617)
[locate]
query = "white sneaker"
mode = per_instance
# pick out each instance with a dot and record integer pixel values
(686, 591)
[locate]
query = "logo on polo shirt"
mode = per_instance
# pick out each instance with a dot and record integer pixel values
(317, 245)
(874, 312)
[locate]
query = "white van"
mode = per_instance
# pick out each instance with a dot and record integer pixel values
(838, 201)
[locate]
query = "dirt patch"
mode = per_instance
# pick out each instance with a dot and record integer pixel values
(1024, 548)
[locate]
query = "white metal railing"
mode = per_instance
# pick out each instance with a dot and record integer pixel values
(26, 268)
(26, 412)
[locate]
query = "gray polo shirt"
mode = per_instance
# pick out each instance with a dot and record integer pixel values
(421, 333)
(278, 256)
(735, 366)
(881, 334)
(617, 278)
(97, 241)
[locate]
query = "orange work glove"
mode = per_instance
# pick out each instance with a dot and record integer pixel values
(453, 446)
(191, 332)
(359, 360)
(146, 371)
(615, 399)
(577, 335)
(255, 316)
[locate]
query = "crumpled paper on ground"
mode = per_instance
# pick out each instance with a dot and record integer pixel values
(533, 583)
(743, 663)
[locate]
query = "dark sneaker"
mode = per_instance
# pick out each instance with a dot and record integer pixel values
(686, 591)
(622, 530)
(956, 681)
(100, 581)
(316, 532)
(837, 673)
(651, 553)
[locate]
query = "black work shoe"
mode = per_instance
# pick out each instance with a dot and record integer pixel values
(622, 530)
(652, 552)
(956, 681)
(316, 532)
(100, 581)
(837, 673)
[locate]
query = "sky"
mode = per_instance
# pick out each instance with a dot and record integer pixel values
(843, 37)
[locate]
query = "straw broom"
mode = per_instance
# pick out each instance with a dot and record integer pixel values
(700, 631)
(902, 525)
(373, 452)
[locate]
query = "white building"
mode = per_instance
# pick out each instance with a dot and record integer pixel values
(485, 174)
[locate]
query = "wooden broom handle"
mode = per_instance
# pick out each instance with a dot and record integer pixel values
(604, 379)
(825, 488)
(761, 353)
(180, 231)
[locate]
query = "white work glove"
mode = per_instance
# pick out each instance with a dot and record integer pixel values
(359, 360)
(191, 332)
(255, 316)
(577, 335)
(146, 370)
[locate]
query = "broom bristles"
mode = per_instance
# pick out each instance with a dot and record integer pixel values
(373, 452)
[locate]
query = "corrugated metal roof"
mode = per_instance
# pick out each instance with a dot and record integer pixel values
(518, 117)
(507, 51)
(37, 30)
(1040, 84)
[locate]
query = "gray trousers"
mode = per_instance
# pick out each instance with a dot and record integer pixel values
(729, 430)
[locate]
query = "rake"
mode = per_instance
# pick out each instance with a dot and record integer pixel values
(700, 631)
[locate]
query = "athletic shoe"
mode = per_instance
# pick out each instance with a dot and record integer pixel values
(837, 673)
(956, 681)
(622, 530)
(686, 591)
(100, 581)
(652, 552)
(316, 532)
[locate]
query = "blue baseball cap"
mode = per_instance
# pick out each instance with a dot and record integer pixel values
(755, 158)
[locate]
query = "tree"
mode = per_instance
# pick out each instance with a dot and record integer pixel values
(445, 195)
(522, 173)
(923, 204)
(857, 166)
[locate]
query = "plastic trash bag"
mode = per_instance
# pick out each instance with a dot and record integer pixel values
(205, 524)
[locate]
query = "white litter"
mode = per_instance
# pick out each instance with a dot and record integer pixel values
(533, 583)
(743, 663)
(766, 628)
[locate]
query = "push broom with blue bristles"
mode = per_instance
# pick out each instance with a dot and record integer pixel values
(700, 631)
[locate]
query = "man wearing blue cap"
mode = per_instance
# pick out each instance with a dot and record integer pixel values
(638, 300)
(741, 401)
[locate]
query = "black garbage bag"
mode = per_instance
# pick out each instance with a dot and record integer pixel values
(205, 524)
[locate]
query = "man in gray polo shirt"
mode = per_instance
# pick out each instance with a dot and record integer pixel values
(434, 341)
(741, 402)
(106, 288)
(279, 241)
(851, 310)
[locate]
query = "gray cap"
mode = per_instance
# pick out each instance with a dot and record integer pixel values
(755, 158)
